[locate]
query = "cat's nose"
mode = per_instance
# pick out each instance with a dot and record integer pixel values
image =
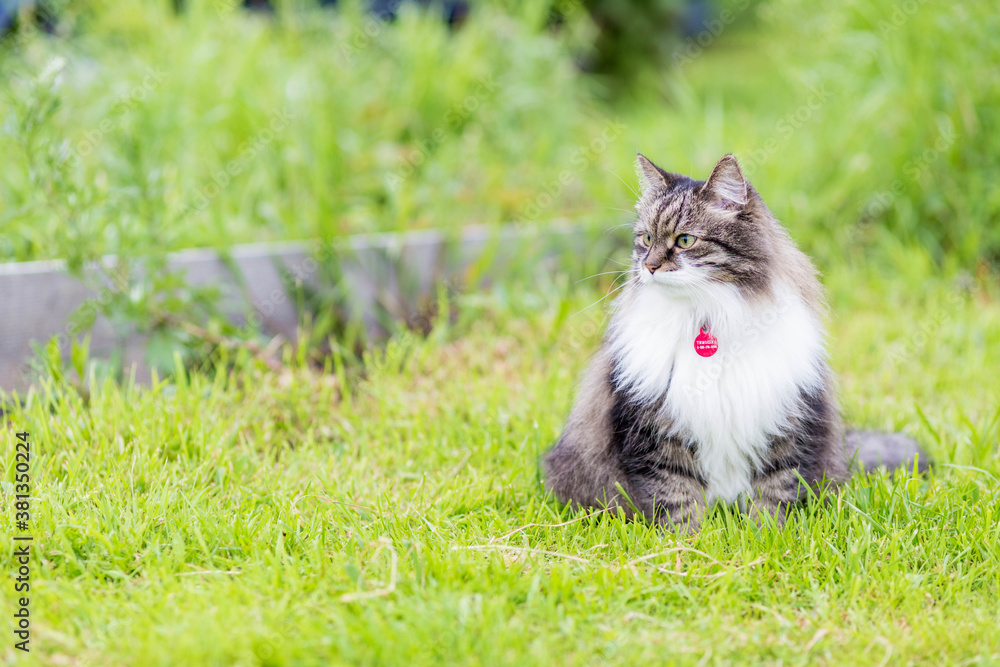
(653, 267)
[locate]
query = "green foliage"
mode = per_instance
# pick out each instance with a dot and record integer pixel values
(634, 32)
(145, 131)
(914, 126)
(217, 126)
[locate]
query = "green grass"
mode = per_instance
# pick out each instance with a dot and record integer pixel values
(394, 515)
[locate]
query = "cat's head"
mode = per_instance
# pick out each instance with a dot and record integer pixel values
(695, 234)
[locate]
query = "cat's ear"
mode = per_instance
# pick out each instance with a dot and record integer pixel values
(727, 186)
(651, 176)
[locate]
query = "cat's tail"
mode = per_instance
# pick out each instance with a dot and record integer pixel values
(872, 449)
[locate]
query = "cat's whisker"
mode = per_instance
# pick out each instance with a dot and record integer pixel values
(583, 310)
(630, 188)
(614, 289)
(610, 293)
(605, 273)
(623, 210)
(630, 284)
(610, 230)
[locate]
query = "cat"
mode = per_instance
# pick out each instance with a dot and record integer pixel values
(712, 382)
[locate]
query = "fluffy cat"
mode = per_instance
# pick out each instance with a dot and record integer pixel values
(712, 382)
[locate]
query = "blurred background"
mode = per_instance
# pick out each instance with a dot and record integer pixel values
(139, 128)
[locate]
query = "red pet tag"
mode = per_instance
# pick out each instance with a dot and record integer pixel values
(705, 344)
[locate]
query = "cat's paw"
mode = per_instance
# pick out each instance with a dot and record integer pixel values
(684, 522)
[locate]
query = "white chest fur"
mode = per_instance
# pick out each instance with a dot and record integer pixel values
(732, 403)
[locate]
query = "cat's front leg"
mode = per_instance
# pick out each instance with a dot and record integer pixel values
(773, 493)
(677, 499)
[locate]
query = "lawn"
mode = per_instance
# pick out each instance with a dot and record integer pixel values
(386, 506)
(395, 515)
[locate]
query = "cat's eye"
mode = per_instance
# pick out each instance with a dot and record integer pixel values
(646, 239)
(685, 241)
